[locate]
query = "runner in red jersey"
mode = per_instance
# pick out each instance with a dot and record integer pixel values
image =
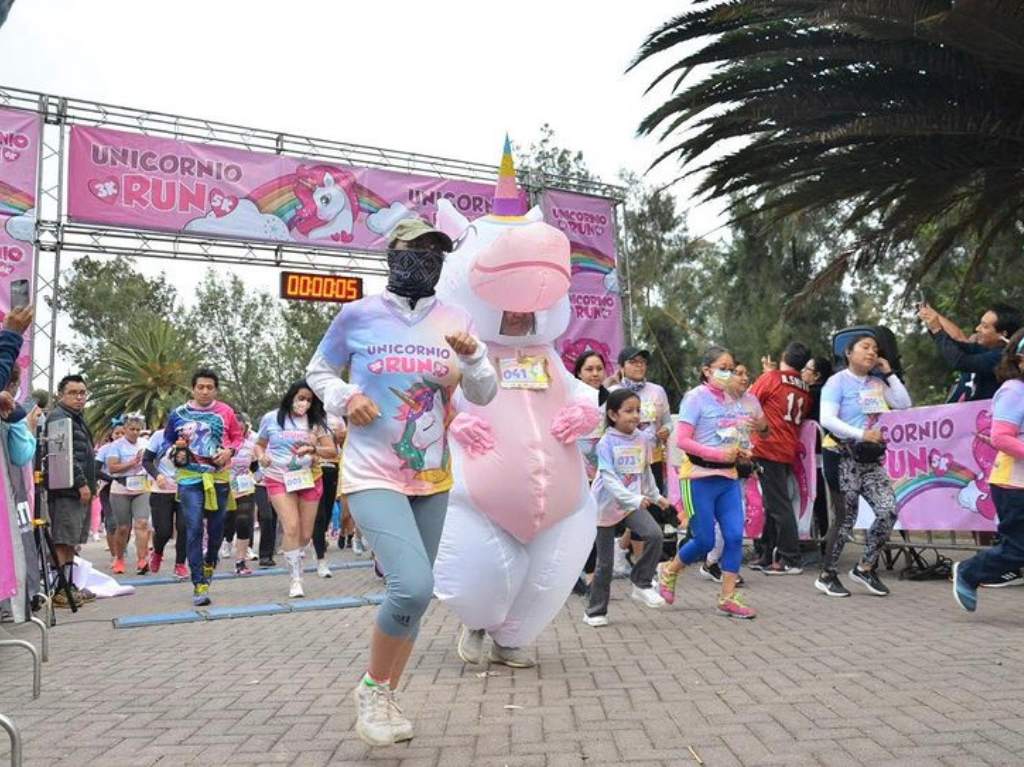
(786, 401)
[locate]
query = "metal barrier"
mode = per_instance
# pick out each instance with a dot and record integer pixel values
(37, 670)
(15, 735)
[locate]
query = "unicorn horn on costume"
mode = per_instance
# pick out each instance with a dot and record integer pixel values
(415, 405)
(507, 200)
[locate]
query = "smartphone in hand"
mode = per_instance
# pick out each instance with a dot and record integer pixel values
(19, 294)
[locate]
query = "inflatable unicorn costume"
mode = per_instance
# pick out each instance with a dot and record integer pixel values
(521, 520)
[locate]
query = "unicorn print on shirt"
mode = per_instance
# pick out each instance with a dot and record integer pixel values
(423, 447)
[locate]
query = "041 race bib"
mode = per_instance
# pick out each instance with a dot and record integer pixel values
(629, 459)
(524, 373)
(300, 479)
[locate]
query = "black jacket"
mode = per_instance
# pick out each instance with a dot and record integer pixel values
(976, 365)
(82, 447)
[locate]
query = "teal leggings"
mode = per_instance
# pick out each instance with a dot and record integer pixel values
(403, 532)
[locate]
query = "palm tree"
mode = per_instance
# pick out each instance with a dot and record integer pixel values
(144, 371)
(910, 115)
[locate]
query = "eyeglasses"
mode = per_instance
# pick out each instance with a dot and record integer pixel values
(77, 394)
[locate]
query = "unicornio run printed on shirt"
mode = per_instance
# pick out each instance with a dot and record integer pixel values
(205, 430)
(718, 421)
(411, 373)
(284, 441)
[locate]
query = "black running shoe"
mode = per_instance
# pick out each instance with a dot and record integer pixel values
(829, 584)
(759, 564)
(267, 562)
(870, 581)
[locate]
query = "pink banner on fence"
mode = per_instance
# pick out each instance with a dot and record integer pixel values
(939, 459)
(596, 319)
(20, 136)
(803, 488)
(160, 184)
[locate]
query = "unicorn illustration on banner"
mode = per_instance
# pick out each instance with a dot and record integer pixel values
(315, 203)
(521, 520)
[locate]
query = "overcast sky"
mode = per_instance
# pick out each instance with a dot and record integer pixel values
(445, 78)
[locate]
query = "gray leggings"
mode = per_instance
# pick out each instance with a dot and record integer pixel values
(125, 509)
(403, 532)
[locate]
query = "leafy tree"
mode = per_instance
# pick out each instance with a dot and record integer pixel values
(907, 114)
(103, 298)
(144, 370)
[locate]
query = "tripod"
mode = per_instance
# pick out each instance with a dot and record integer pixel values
(47, 552)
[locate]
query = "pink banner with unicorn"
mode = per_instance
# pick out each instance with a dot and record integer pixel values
(939, 459)
(20, 136)
(160, 184)
(596, 319)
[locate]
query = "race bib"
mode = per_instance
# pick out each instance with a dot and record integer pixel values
(243, 484)
(524, 373)
(872, 400)
(648, 412)
(629, 459)
(137, 483)
(300, 479)
(728, 434)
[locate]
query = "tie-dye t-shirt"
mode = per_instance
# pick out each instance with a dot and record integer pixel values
(628, 457)
(410, 372)
(159, 447)
(718, 421)
(1008, 407)
(132, 481)
(206, 430)
(282, 442)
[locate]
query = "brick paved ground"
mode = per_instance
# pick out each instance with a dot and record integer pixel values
(908, 680)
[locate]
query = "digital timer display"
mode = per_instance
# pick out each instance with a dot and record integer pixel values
(304, 286)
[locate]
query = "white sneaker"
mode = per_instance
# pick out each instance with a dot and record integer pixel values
(595, 620)
(225, 550)
(358, 546)
(296, 589)
(251, 555)
(620, 567)
(649, 596)
(322, 568)
(373, 715)
(400, 724)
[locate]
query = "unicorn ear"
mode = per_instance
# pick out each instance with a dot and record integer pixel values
(449, 220)
(328, 179)
(534, 214)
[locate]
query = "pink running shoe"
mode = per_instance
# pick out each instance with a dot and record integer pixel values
(733, 607)
(155, 560)
(181, 572)
(667, 584)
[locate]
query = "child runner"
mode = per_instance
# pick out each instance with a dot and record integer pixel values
(623, 489)
(755, 423)
(1006, 480)
(239, 522)
(850, 404)
(709, 432)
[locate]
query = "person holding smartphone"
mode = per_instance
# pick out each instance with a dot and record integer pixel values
(976, 357)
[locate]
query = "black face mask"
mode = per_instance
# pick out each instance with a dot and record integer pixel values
(413, 274)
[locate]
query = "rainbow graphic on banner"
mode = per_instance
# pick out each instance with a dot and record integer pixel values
(277, 197)
(957, 476)
(13, 201)
(586, 259)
